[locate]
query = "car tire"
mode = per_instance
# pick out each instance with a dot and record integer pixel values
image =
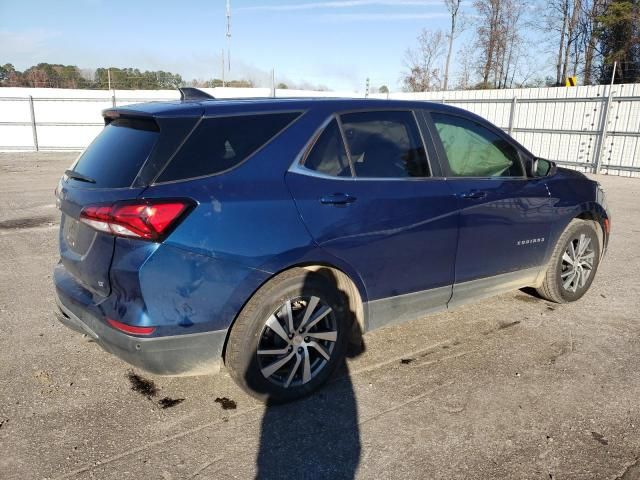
(263, 327)
(573, 264)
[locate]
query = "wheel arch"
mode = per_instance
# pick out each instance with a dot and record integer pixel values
(597, 215)
(354, 290)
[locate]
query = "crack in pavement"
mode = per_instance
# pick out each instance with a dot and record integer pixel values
(146, 446)
(200, 469)
(405, 403)
(631, 472)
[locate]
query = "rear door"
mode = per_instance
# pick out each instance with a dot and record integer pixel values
(504, 216)
(367, 194)
(104, 173)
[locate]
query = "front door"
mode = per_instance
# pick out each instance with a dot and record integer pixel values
(504, 216)
(374, 204)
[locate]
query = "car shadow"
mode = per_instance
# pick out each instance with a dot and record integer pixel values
(532, 292)
(318, 436)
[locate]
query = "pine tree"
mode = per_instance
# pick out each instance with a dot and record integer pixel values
(620, 41)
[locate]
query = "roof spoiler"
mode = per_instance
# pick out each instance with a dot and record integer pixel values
(111, 114)
(190, 93)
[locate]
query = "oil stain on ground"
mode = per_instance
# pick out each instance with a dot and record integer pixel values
(502, 326)
(226, 403)
(142, 385)
(149, 389)
(598, 437)
(28, 222)
(167, 402)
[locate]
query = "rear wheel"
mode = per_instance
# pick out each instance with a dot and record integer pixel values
(573, 264)
(289, 338)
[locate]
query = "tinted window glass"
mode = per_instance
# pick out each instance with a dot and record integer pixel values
(221, 143)
(475, 151)
(385, 144)
(114, 158)
(328, 155)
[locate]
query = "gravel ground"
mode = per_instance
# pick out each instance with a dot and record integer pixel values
(511, 387)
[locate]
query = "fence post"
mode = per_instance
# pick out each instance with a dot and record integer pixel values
(602, 138)
(512, 114)
(34, 129)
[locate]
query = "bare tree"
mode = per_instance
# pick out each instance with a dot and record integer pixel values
(512, 42)
(564, 15)
(453, 6)
(466, 65)
(572, 38)
(569, 23)
(498, 25)
(559, 14)
(588, 27)
(488, 33)
(422, 74)
(573, 28)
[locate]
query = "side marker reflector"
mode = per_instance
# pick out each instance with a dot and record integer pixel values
(123, 327)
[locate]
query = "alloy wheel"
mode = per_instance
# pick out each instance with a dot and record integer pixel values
(297, 341)
(577, 263)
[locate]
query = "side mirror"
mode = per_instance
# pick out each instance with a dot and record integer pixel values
(541, 167)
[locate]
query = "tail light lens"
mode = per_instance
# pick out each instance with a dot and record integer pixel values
(145, 219)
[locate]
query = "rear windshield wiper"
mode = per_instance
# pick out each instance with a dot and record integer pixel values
(78, 176)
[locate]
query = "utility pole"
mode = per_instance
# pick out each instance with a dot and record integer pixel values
(273, 83)
(112, 92)
(228, 35)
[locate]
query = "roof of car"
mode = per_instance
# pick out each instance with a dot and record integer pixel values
(246, 105)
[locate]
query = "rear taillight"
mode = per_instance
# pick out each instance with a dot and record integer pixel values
(145, 219)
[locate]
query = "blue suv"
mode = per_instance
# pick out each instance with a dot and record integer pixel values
(268, 234)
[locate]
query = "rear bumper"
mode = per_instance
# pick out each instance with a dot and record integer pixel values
(190, 354)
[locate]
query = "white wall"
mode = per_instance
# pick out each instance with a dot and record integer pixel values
(556, 123)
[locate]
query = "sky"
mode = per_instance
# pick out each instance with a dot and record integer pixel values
(335, 43)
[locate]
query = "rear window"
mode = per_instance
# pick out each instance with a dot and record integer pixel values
(114, 158)
(221, 143)
(385, 144)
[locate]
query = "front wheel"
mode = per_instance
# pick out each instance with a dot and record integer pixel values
(573, 264)
(289, 338)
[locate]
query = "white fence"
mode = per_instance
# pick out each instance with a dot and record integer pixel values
(588, 128)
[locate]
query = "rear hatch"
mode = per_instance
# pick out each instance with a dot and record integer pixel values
(114, 168)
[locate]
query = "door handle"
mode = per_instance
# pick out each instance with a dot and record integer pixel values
(339, 199)
(473, 194)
